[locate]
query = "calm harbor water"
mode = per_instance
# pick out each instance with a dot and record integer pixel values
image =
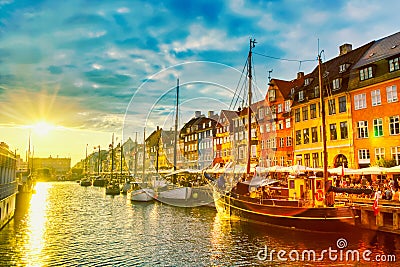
(64, 224)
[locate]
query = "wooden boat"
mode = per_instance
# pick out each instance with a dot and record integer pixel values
(85, 182)
(137, 193)
(113, 189)
(303, 204)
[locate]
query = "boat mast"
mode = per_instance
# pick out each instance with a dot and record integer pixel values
(252, 45)
(176, 124)
(136, 151)
(112, 157)
(322, 101)
(144, 153)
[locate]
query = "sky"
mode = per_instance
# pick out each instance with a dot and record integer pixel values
(74, 72)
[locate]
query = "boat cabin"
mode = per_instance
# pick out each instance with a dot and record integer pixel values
(308, 188)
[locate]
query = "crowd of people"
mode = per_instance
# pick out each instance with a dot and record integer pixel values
(387, 189)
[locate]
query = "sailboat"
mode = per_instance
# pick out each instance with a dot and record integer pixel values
(304, 204)
(113, 187)
(140, 192)
(183, 196)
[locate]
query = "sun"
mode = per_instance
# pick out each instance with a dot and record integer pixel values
(42, 128)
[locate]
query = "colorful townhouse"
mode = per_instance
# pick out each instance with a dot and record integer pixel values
(276, 124)
(374, 93)
(306, 109)
(223, 138)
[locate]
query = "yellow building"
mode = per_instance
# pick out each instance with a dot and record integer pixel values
(307, 130)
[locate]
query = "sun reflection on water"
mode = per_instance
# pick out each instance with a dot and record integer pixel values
(36, 221)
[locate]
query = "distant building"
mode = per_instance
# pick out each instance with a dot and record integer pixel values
(56, 165)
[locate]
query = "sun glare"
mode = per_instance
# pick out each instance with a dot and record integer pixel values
(42, 128)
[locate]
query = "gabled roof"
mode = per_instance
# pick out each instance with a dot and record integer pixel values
(286, 86)
(384, 48)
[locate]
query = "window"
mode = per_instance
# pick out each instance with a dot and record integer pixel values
(378, 127)
(394, 125)
(288, 141)
(267, 127)
(360, 101)
(287, 105)
(301, 96)
(282, 162)
(396, 154)
(306, 136)
(279, 108)
(307, 81)
(332, 106)
(307, 160)
(261, 113)
(391, 93)
(272, 95)
(316, 91)
(280, 125)
(336, 84)
(313, 111)
(362, 128)
(314, 134)
(343, 67)
(342, 104)
(282, 142)
(297, 115)
(343, 130)
(315, 160)
(333, 131)
(366, 73)
(363, 154)
(287, 123)
(298, 137)
(305, 113)
(261, 128)
(393, 64)
(379, 153)
(376, 97)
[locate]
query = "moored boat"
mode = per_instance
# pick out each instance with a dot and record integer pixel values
(303, 203)
(141, 194)
(113, 189)
(85, 182)
(8, 184)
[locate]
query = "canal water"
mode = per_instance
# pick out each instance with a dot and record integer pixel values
(64, 224)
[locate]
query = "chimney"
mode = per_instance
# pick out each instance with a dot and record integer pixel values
(345, 48)
(210, 113)
(197, 114)
(300, 75)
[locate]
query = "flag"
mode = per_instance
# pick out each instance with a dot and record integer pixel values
(375, 206)
(342, 169)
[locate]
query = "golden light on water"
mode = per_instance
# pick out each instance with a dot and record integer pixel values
(37, 224)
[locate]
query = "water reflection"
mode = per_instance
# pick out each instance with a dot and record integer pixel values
(64, 224)
(36, 223)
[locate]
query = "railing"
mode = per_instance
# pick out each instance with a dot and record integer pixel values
(8, 189)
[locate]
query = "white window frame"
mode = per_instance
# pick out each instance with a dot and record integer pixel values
(376, 97)
(287, 106)
(360, 101)
(395, 151)
(391, 94)
(362, 129)
(364, 156)
(394, 125)
(379, 153)
(287, 123)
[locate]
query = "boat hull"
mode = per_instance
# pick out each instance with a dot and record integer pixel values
(142, 195)
(324, 219)
(7, 208)
(187, 196)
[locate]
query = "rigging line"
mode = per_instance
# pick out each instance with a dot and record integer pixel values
(237, 86)
(284, 59)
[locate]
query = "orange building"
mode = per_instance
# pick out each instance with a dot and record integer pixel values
(375, 85)
(277, 133)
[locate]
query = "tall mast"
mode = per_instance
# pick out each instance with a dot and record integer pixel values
(252, 45)
(136, 151)
(176, 124)
(112, 157)
(322, 101)
(144, 153)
